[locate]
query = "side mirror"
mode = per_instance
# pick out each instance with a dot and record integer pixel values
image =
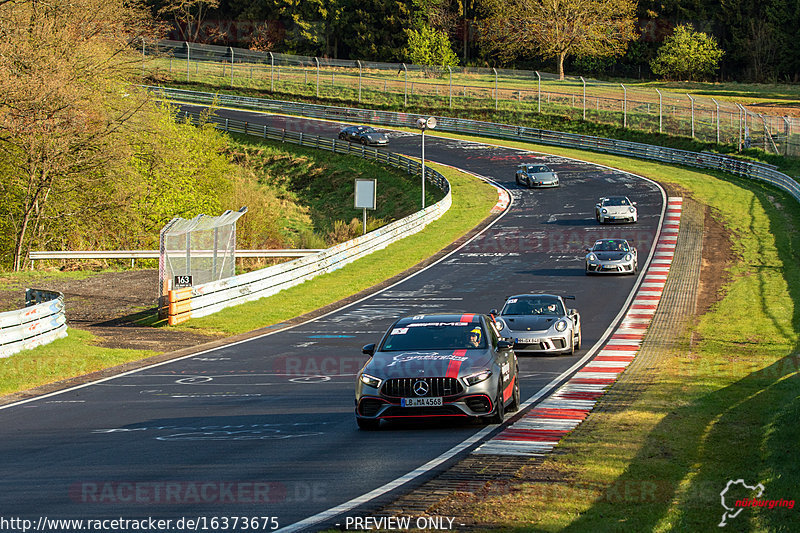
(505, 345)
(369, 350)
(493, 312)
(597, 205)
(634, 203)
(572, 312)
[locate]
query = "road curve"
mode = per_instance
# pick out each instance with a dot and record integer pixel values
(265, 427)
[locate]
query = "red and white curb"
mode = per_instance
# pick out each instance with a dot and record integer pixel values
(503, 200)
(540, 430)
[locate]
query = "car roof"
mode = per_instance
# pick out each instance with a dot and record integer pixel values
(441, 317)
(535, 295)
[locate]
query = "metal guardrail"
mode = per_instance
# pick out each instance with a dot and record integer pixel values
(208, 298)
(154, 254)
(40, 322)
(661, 154)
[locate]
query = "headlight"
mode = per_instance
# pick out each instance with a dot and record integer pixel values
(370, 381)
(477, 378)
(604, 210)
(628, 257)
(592, 257)
(500, 324)
(633, 209)
(561, 325)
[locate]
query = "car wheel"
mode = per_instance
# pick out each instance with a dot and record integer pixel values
(499, 410)
(516, 178)
(580, 338)
(368, 424)
(342, 136)
(364, 141)
(515, 398)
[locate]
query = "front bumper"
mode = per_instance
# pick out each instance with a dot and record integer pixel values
(556, 344)
(474, 401)
(610, 267)
(623, 219)
(541, 184)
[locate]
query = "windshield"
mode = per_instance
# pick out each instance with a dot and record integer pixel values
(616, 201)
(366, 129)
(435, 336)
(611, 246)
(539, 168)
(548, 306)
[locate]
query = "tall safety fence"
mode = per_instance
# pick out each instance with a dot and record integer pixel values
(662, 154)
(41, 321)
(205, 299)
(369, 82)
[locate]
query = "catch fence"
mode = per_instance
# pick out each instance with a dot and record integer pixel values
(369, 82)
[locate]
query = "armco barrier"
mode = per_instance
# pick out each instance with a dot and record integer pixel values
(708, 160)
(211, 297)
(208, 298)
(40, 322)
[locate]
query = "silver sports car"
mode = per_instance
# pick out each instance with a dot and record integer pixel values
(615, 209)
(612, 256)
(536, 175)
(540, 323)
(438, 366)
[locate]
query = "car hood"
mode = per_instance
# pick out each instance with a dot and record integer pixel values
(610, 256)
(530, 323)
(428, 363)
(375, 136)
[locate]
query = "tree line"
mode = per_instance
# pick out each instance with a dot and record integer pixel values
(606, 37)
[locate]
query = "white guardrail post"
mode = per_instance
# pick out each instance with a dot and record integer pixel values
(42, 321)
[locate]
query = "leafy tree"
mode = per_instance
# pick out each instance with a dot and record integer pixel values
(560, 28)
(430, 47)
(688, 55)
(188, 15)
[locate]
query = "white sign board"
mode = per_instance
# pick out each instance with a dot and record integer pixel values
(365, 194)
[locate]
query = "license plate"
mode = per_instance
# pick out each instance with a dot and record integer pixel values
(421, 402)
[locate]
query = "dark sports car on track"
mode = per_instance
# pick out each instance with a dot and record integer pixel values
(612, 256)
(540, 323)
(440, 365)
(536, 175)
(363, 135)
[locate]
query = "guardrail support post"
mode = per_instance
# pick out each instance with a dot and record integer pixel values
(450, 85)
(660, 112)
(717, 104)
(187, 62)
(539, 93)
(584, 97)
(231, 66)
(624, 106)
(496, 96)
(692, 99)
(271, 72)
(317, 60)
(405, 88)
(359, 81)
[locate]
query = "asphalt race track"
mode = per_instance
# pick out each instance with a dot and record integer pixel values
(265, 428)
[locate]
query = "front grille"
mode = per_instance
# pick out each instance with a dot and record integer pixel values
(370, 406)
(406, 412)
(404, 387)
(479, 404)
(559, 343)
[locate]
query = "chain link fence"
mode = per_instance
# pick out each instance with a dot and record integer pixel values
(368, 82)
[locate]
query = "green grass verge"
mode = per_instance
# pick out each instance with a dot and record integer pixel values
(724, 405)
(74, 355)
(472, 201)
